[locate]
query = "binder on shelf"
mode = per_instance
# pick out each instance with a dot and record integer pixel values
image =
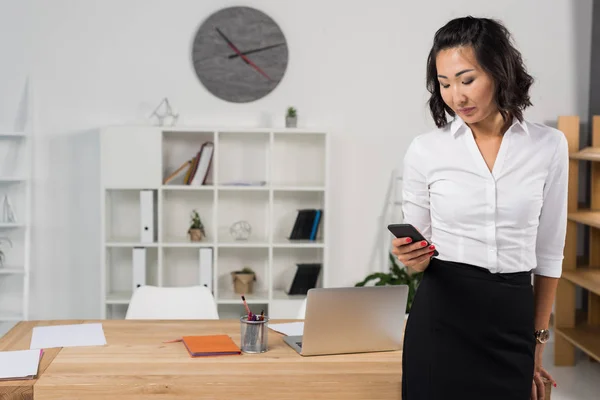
(139, 267)
(307, 224)
(148, 217)
(306, 278)
(206, 267)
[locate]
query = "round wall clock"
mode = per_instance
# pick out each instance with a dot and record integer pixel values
(240, 54)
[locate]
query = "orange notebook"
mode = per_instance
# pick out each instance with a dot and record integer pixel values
(210, 345)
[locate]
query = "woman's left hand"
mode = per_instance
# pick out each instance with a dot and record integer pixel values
(537, 386)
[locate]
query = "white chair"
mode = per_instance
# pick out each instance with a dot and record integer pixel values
(191, 302)
(302, 310)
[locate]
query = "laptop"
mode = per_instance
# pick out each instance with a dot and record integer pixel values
(352, 320)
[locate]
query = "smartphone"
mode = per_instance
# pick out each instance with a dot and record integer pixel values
(407, 230)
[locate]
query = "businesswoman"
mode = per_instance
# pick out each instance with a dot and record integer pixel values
(488, 189)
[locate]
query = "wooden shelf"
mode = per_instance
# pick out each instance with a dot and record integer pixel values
(586, 277)
(587, 154)
(590, 218)
(584, 332)
(585, 337)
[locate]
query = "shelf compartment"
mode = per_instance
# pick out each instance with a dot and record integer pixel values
(299, 159)
(243, 157)
(234, 259)
(179, 147)
(181, 266)
(587, 154)
(11, 297)
(176, 214)
(246, 206)
(122, 216)
(13, 158)
(284, 268)
(585, 337)
(16, 195)
(119, 271)
(14, 252)
(286, 206)
(586, 217)
(586, 277)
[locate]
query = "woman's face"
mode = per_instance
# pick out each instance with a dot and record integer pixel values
(465, 87)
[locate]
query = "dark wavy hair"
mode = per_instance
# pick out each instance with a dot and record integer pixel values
(492, 45)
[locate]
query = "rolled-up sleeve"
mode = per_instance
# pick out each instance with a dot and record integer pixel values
(553, 218)
(415, 190)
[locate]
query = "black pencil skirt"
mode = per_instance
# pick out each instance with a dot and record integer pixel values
(469, 335)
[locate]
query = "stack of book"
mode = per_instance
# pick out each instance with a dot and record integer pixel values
(307, 224)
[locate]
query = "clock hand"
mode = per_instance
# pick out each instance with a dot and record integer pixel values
(256, 50)
(241, 55)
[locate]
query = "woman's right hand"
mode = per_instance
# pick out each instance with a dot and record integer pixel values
(414, 255)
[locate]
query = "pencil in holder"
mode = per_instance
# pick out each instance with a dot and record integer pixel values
(254, 335)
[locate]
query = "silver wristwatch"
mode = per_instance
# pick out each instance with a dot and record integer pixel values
(542, 335)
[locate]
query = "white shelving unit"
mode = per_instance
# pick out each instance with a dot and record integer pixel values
(16, 164)
(292, 162)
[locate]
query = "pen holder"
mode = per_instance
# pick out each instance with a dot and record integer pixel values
(253, 335)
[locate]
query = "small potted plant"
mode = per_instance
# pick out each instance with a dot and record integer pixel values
(196, 230)
(291, 118)
(243, 280)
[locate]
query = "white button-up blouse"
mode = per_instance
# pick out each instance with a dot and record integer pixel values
(510, 219)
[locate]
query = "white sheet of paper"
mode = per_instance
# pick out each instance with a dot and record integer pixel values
(19, 364)
(47, 337)
(289, 328)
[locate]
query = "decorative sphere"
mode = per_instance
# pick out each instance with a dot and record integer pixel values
(240, 230)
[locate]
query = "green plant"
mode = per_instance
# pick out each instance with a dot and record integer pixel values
(396, 276)
(196, 222)
(291, 112)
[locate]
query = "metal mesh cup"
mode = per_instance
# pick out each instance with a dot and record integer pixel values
(253, 335)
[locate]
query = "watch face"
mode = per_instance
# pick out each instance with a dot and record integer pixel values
(543, 335)
(240, 54)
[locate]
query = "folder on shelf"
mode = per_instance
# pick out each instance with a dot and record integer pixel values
(307, 224)
(210, 345)
(148, 216)
(306, 278)
(206, 267)
(139, 267)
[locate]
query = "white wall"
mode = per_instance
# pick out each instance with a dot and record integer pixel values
(356, 66)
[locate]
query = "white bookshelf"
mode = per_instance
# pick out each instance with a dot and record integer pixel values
(15, 181)
(292, 162)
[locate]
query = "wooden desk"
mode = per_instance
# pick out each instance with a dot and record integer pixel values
(135, 364)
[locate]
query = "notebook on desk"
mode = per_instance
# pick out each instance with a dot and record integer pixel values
(210, 345)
